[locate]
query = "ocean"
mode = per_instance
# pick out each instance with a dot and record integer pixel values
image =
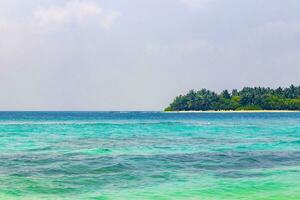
(149, 155)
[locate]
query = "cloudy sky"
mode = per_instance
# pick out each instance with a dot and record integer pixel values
(139, 54)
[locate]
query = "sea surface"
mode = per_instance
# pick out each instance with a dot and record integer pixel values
(149, 155)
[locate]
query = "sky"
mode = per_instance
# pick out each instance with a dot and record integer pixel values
(139, 54)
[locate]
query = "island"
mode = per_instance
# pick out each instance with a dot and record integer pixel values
(246, 99)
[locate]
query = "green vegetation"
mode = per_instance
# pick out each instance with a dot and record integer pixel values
(257, 98)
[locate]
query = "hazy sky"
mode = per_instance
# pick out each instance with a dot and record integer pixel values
(139, 54)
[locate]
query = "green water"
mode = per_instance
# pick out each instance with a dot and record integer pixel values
(115, 155)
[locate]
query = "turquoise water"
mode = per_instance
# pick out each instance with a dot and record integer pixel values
(149, 155)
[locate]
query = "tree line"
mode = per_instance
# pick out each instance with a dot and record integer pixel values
(248, 98)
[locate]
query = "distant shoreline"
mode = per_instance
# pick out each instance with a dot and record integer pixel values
(233, 111)
(248, 99)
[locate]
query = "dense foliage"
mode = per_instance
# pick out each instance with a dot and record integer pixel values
(257, 98)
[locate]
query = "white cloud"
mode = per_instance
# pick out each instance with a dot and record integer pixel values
(6, 26)
(74, 11)
(195, 3)
(108, 20)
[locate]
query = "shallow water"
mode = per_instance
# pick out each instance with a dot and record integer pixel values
(149, 155)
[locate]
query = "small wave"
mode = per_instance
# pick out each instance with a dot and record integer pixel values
(99, 123)
(115, 168)
(48, 123)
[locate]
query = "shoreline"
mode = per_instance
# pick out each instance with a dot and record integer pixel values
(234, 111)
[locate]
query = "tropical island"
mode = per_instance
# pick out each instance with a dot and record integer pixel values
(248, 98)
